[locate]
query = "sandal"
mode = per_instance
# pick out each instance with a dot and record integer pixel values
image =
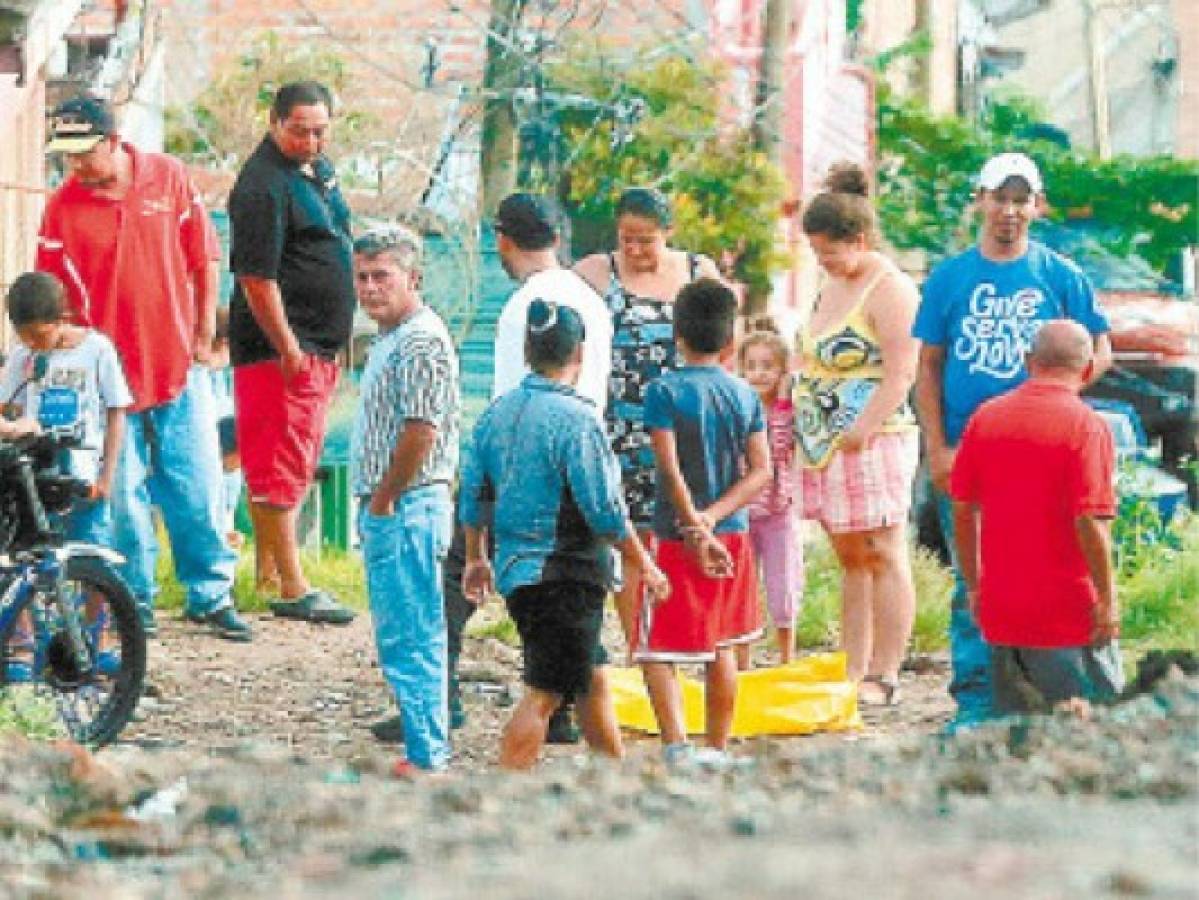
(888, 694)
(315, 606)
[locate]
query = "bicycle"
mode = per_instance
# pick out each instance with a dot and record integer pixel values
(69, 626)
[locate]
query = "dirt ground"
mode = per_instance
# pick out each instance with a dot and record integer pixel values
(316, 690)
(251, 773)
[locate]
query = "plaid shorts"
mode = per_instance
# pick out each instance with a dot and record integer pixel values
(866, 489)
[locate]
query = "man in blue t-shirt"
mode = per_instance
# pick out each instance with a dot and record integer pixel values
(979, 314)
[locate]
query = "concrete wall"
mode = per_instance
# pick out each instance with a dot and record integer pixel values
(1145, 109)
(23, 125)
(887, 24)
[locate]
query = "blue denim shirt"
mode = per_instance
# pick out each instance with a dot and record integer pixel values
(541, 454)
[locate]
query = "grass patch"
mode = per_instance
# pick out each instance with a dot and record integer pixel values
(820, 615)
(336, 571)
(492, 621)
(1159, 596)
(27, 712)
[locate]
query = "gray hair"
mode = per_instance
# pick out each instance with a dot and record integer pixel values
(403, 245)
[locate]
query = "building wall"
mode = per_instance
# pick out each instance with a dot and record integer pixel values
(1144, 109)
(22, 160)
(888, 24)
(1186, 134)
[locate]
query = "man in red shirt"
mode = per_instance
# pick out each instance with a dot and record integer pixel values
(1032, 485)
(128, 236)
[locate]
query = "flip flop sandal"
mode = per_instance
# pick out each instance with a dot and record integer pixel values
(889, 692)
(315, 606)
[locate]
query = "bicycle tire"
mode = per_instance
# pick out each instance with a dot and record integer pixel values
(124, 687)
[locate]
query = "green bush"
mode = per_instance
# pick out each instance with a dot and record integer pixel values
(25, 711)
(1158, 590)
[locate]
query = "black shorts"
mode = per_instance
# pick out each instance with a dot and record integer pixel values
(559, 624)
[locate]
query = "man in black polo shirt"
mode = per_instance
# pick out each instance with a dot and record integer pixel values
(291, 312)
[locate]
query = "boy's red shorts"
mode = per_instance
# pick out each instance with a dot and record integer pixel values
(701, 613)
(281, 426)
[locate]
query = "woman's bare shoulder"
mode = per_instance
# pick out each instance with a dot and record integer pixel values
(594, 269)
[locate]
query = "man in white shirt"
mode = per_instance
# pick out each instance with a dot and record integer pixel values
(527, 237)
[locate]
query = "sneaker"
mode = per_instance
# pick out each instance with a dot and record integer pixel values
(18, 671)
(224, 623)
(561, 729)
(389, 731)
(679, 757)
(108, 662)
(410, 771)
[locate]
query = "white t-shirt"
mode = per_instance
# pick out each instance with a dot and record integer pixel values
(80, 385)
(565, 287)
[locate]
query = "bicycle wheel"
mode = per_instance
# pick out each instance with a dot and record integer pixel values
(92, 703)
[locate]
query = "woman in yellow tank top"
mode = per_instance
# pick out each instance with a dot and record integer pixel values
(855, 433)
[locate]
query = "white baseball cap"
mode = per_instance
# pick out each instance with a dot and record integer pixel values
(999, 169)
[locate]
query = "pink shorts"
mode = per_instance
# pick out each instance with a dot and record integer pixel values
(701, 613)
(865, 489)
(778, 546)
(280, 427)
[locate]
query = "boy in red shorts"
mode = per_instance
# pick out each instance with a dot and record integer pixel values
(709, 439)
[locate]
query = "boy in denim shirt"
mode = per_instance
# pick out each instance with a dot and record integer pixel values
(540, 453)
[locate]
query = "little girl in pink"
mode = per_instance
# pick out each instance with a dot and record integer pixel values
(774, 525)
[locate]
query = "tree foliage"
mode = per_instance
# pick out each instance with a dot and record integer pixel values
(928, 165)
(726, 193)
(227, 120)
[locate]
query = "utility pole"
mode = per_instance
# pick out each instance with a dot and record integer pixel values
(768, 124)
(501, 78)
(1097, 81)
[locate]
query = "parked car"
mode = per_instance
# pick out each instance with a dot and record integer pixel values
(1138, 479)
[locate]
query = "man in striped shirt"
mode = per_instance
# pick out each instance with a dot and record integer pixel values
(404, 454)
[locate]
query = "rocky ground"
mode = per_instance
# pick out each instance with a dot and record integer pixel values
(251, 771)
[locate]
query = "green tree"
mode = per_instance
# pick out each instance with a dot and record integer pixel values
(726, 193)
(928, 164)
(226, 121)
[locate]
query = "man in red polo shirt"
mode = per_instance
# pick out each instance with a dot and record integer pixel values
(128, 236)
(1032, 485)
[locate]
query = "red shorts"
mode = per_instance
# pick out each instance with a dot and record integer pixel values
(701, 613)
(280, 427)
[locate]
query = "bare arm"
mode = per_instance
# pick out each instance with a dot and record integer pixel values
(930, 409)
(206, 284)
(477, 579)
(1102, 360)
(595, 271)
(413, 445)
(965, 537)
(114, 440)
(634, 552)
(748, 486)
(891, 312)
(266, 305)
(1095, 540)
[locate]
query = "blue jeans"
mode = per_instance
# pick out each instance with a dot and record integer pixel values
(404, 554)
(970, 684)
(89, 522)
(171, 459)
